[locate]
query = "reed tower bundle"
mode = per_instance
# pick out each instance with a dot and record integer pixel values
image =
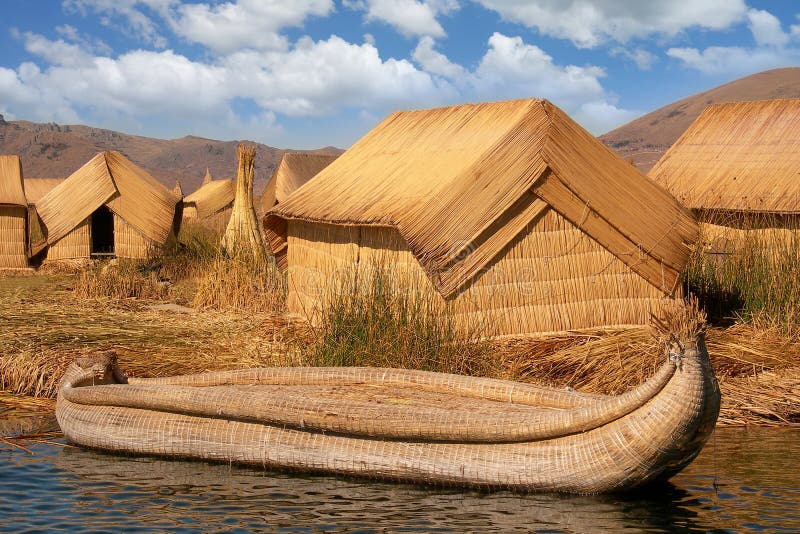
(242, 233)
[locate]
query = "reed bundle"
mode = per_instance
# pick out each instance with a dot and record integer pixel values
(242, 233)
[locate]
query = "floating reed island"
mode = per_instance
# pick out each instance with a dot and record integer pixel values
(531, 256)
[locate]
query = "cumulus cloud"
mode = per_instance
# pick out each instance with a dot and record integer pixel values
(409, 17)
(435, 62)
(590, 23)
(773, 48)
(255, 77)
(312, 78)
(254, 24)
(766, 29)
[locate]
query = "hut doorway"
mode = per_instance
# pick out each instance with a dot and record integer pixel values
(102, 232)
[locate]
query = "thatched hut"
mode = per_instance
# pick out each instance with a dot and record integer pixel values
(213, 199)
(510, 212)
(294, 170)
(737, 167)
(13, 215)
(107, 208)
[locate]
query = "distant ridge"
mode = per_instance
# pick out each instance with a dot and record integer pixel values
(55, 151)
(645, 139)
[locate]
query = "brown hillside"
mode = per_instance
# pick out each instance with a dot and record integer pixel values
(56, 151)
(647, 138)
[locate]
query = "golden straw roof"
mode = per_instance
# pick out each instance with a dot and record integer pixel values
(459, 183)
(109, 178)
(12, 190)
(36, 188)
(212, 197)
(294, 170)
(742, 156)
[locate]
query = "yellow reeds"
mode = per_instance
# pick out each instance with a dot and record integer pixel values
(242, 234)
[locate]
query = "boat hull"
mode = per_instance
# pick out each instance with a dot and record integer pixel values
(649, 443)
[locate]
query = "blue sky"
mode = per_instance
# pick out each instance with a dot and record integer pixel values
(310, 73)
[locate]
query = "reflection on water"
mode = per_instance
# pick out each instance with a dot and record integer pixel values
(744, 480)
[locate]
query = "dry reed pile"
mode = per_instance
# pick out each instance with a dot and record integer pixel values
(43, 328)
(124, 279)
(241, 283)
(758, 369)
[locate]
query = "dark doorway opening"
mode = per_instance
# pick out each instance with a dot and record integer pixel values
(102, 232)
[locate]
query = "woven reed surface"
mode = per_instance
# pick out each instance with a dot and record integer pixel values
(13, 237)
(487, 158)
(129, 243)
(210, 198)
(737, 156)
(381, 403)
(36, 188)
(654, 440)
(552, 277)
(294, 170)
(12, 192)
(76, 244)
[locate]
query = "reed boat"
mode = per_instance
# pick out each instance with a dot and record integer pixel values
(403, 425)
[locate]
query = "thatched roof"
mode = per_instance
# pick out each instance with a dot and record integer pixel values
(37, 188)
(294, 170)
(741, 156)
(109, 178)
(12, 190)
(459, 183)
(212, 197)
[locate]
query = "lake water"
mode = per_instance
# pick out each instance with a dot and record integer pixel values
(745, 480)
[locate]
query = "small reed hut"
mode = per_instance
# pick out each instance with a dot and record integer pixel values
(214, 199)
(107, 208)
(510, 212)
(13, 215)
(737, 168)
(294, 170)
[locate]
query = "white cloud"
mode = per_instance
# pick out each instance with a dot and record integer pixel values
(435, 62)
(317, 78)
(312, 78)
(734, 60)
(409, 17)
(589, 23)
(512, 68)
(773, 48)
(641, 57)
(242, 24)
(766, 29)
(55, 52)
(137, 23)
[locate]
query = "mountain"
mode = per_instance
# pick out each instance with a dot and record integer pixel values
(56, 151)
(645, 139)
